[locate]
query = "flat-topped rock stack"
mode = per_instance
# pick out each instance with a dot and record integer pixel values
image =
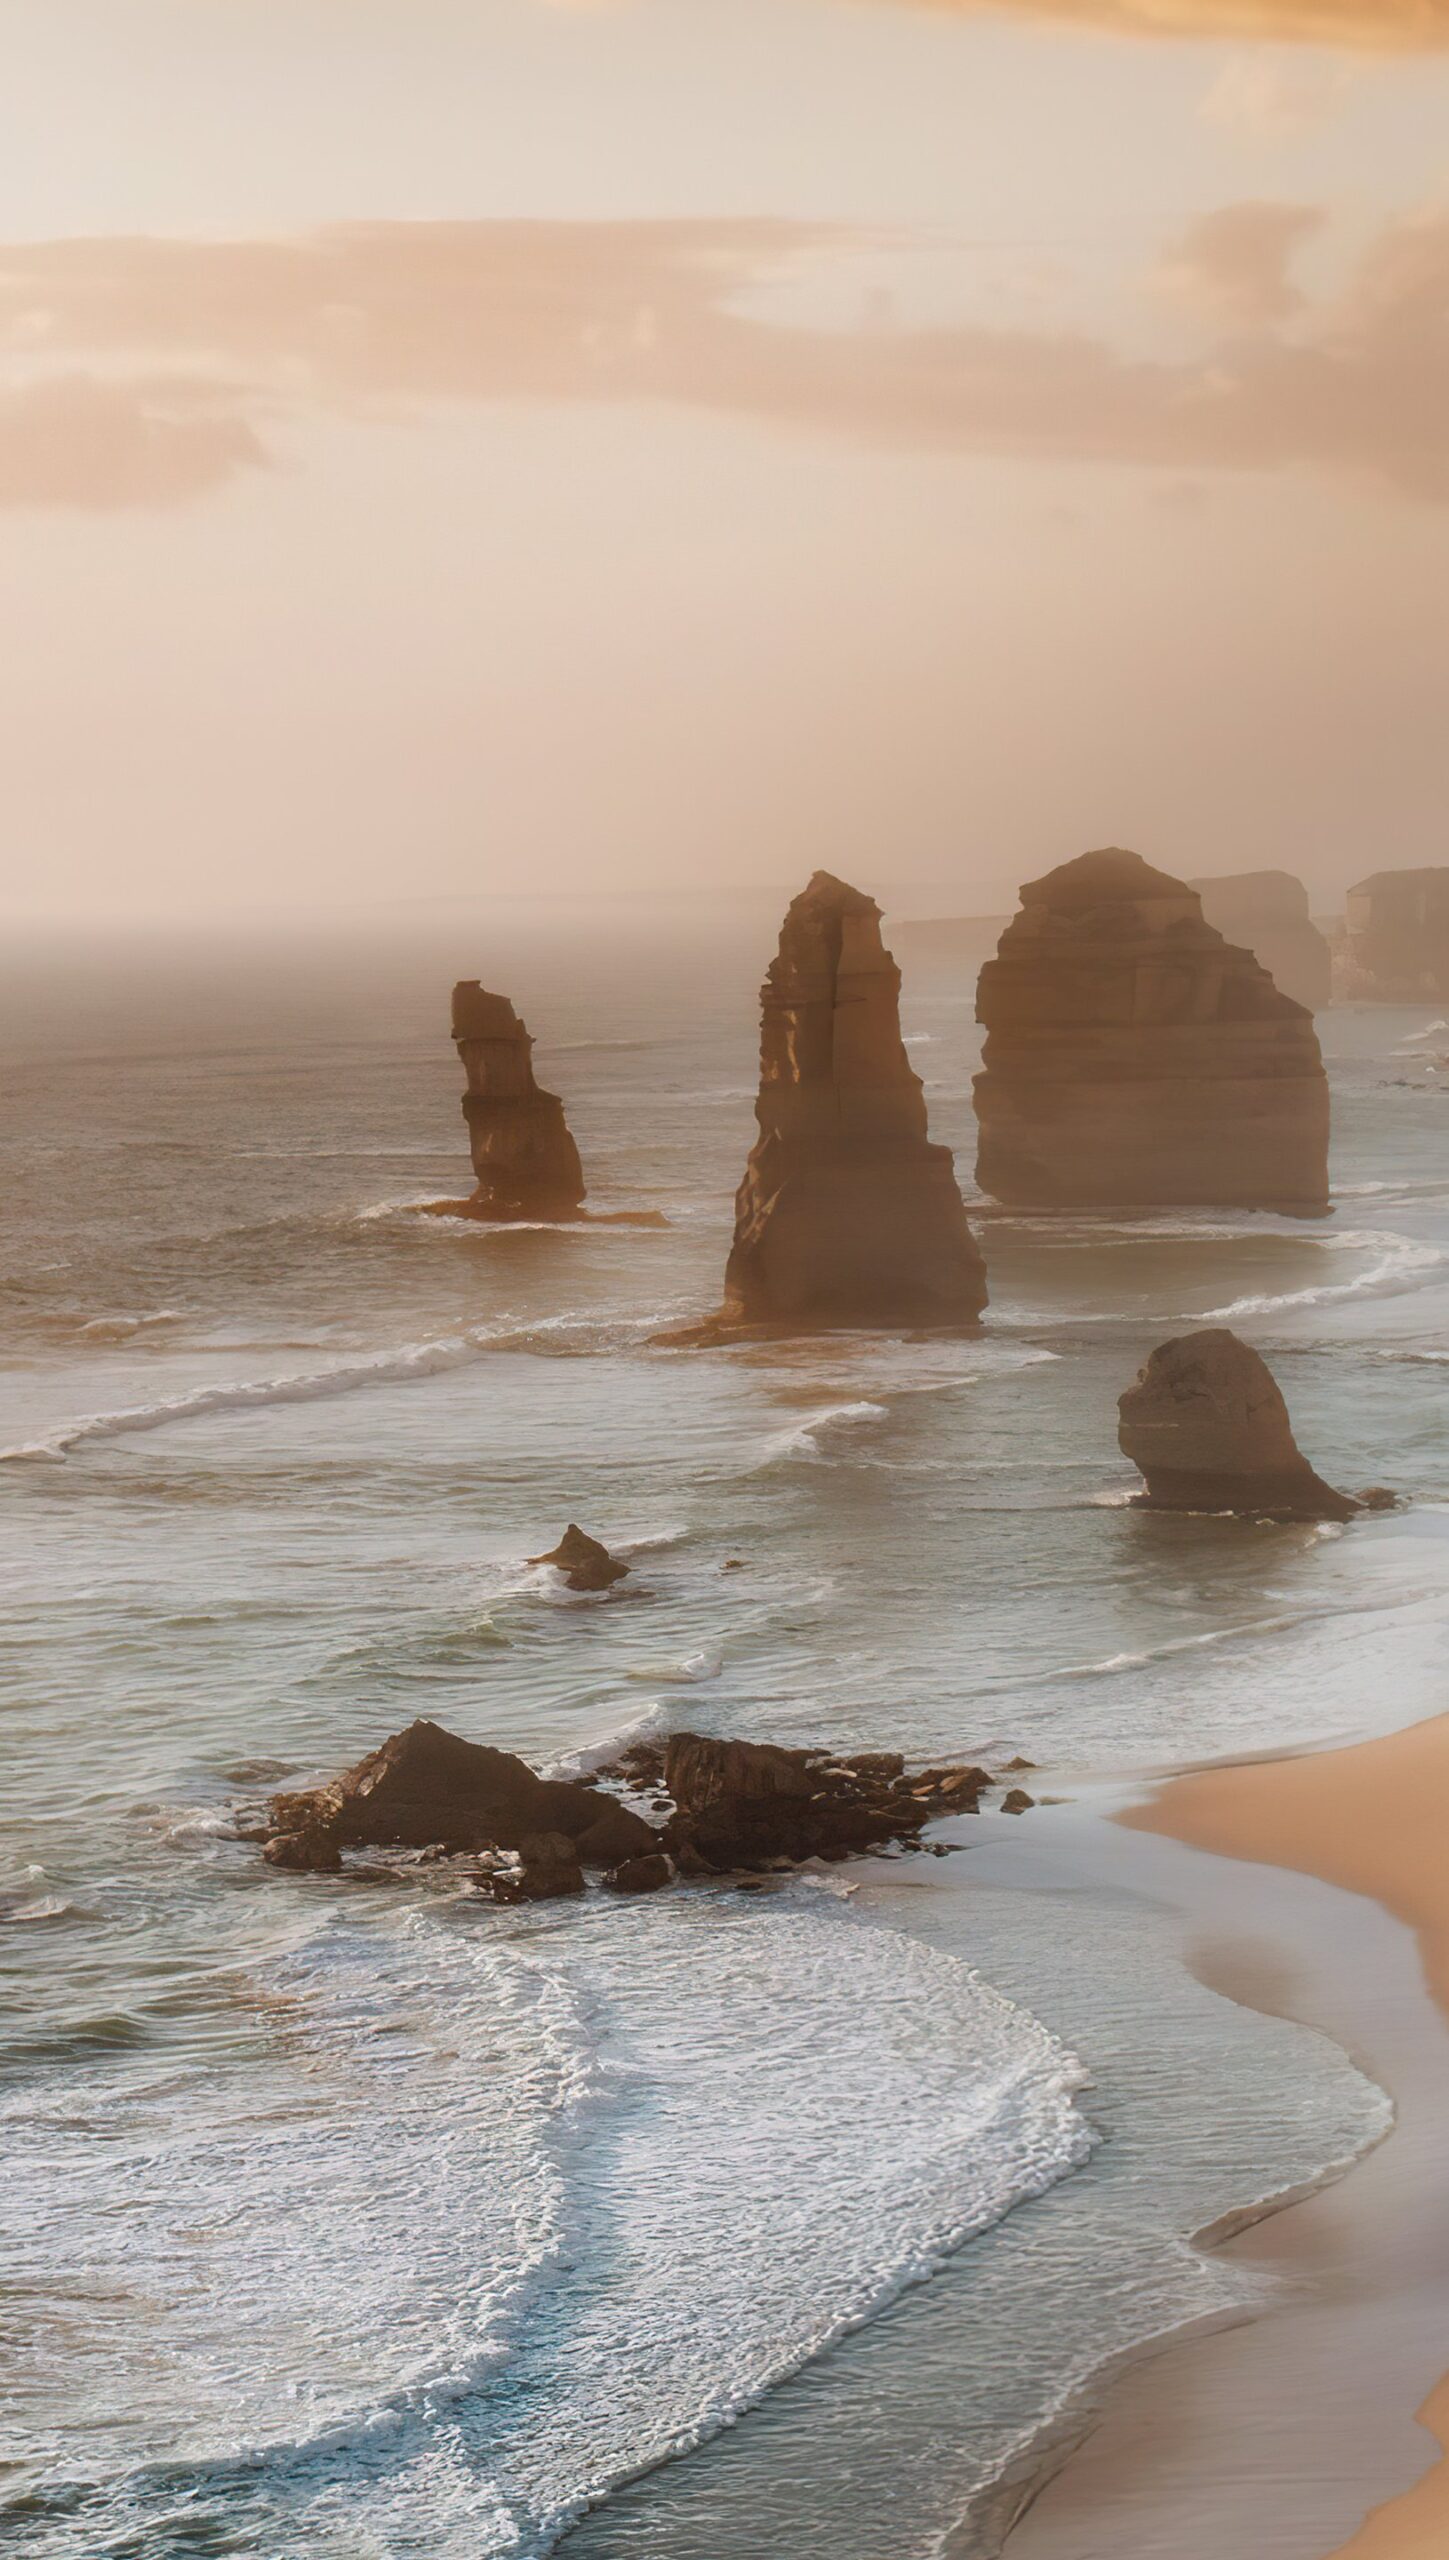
(1395, 946)
(847, 1215)
(525, 1160)
(1135, 1059)
(1267, 913)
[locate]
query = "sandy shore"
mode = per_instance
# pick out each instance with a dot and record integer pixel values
(1318, 2432)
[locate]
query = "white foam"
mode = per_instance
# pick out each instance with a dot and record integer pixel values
(1400, 1264)
(521, 2318)
(806, 1440)
(381, 1368)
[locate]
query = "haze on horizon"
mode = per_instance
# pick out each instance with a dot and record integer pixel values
(486, 449)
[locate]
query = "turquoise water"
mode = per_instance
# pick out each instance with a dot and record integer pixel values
(355, 2219)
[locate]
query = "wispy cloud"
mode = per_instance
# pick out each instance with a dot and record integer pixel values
(1374, 26)
(165, 368)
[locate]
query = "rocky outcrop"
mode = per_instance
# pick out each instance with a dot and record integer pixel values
(1395, 943)
(1134, 1059)
(427, 1789)
(731, 1806)
(1266, 912)
(749, 1804)
(584, 1564)
(847, 1214)
(1208, 1429)
(525, 1160)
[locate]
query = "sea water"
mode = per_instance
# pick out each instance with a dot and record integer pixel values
(362, 2219)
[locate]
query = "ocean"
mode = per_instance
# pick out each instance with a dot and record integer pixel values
(358, 2219)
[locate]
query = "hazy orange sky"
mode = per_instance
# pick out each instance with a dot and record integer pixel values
(466, 446)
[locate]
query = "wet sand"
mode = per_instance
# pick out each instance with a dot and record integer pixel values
(1317, 2431)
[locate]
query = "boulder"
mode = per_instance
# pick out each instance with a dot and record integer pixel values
(425, 1788)
(1267, 913)
(749, 1804)
(615, 1835)
(1208, 1428)
(641, 1875)
(847, 1214)
(1135, 1059)
(310, 1849)
(548, 1869)
(525, 1161)
(1394, 948)
(584, 1564)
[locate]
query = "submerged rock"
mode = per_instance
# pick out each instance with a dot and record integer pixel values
(1134, 1058)
(583, 1562)
(1395, 944)
(641, 1875)
(1267, 913)
(525, 1160)
(847, 1214)
(1207, 1426)
(549, 1868)
(749, 1804)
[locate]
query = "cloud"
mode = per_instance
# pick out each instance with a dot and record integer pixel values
(1370, 26)
(170, 367)
(1232, 266)
(1274, 98)
(75, 440)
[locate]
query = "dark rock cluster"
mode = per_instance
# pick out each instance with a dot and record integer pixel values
(731, 1807)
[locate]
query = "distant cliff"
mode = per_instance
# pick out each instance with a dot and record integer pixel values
(1267, 913)
(1395, 943)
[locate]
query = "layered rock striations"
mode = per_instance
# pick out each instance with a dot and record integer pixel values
(1395, 945)
(1135, 1059)
(1207, 1428)
(847, 1214)
(525, 1160)
(1266, 912)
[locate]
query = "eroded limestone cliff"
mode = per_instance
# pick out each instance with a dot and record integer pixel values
(847, 1215)
(1134, 1058)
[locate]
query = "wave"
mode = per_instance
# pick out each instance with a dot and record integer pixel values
(382, 1368)
(523, 2319)
(806, 1440)
(1401, 1264)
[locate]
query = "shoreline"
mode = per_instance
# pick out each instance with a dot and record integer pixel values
(1316, 2427)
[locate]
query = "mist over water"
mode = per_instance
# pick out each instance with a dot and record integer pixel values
(362, 2220)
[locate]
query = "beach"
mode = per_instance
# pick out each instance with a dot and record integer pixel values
(1317, 2430)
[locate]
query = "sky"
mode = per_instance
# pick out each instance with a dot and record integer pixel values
(644, 449)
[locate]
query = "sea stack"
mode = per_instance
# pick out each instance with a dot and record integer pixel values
(1395, 947)
(847, 1214)
(525, 1160)
(1135, 1059)
(1208, 1429)
(1267, 913)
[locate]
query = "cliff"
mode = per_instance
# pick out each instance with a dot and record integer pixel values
(1266, 912)
(1395, 946)
(1207, 1427)
(1134, 1058)
(525, 1160)
(847, 1214)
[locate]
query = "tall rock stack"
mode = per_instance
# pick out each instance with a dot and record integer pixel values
(525, 1160)
(1134, 1059)
(1267, 913)
(1395, 947)
(847, 1214)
